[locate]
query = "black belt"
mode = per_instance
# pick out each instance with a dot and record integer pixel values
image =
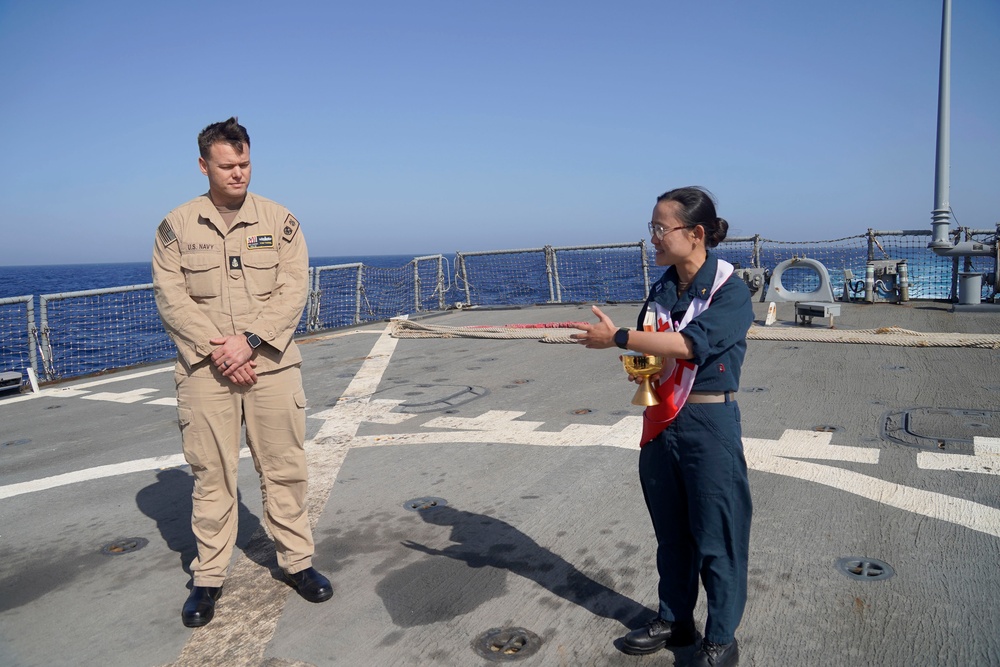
(711, 396)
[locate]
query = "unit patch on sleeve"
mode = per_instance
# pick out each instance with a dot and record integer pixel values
(290, 227)
(165, 233)
(260, 241)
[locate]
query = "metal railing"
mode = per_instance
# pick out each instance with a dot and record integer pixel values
(88, 332)
(18, 334)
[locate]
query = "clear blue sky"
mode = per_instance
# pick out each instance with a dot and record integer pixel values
(435, 126)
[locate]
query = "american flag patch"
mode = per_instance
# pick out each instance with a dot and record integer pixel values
(165, 233)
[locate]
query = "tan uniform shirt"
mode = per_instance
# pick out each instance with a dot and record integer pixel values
(212, 281)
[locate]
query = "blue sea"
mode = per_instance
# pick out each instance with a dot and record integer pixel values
(59, 278)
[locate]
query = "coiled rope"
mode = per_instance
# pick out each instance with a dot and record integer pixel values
(552, 332)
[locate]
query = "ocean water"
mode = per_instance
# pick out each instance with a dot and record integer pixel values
(59, 278)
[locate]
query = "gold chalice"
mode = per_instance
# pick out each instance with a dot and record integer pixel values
(644, 366)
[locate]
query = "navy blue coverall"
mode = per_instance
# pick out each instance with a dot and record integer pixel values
(694, 475)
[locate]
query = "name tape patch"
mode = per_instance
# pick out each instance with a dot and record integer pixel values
(260, 241)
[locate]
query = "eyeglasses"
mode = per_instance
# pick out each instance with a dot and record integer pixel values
(659, 231)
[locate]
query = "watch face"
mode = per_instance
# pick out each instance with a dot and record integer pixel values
(621, 338)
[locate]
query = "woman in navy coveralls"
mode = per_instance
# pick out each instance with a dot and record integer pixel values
(693, 473)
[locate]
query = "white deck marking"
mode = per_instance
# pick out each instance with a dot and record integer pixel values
(775, 457)
(986, 446)
(170, 400)
(75, 390)
(133, 396)
(986, 459)
(89, 474)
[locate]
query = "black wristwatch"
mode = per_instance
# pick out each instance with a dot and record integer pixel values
(253, 339)
(621, 338)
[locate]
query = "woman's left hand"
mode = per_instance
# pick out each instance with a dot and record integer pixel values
(598, 336)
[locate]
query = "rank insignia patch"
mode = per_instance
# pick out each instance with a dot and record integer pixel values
(235, 263)
(290, 227)
(260, 241)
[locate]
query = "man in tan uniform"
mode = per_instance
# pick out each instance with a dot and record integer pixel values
(230, 275)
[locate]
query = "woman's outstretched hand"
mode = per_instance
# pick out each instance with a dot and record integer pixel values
(598, 336)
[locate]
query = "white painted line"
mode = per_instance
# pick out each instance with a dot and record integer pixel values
(133, 396)
(53, 392)
(624, 434)
(32, 379)
(113, 470)
(163, 401)
(981, 518)
(986, 446)
(76, 389)
(122, 378)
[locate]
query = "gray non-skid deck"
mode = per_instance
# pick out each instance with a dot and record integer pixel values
(531, 449)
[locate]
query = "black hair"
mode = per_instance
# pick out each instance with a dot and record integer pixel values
(227, 132)
(697, 207)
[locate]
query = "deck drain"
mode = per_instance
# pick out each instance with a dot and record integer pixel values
(14, 443)
(126, 545)
(506, 644)
(826, 428)
(753, 390)
(582, 411)
(865, 569)
(520, 381)
(424, 504)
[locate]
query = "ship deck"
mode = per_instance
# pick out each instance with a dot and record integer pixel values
(857, 453)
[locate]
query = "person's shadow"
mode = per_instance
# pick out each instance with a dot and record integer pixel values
(428, 591)
(168, 502)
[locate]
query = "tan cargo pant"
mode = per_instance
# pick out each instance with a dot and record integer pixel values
(211, 412)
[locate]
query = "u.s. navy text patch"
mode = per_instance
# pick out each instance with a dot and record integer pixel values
(260, 241)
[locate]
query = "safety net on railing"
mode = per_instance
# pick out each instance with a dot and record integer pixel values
(89, 332)
(503, 277)
(600, 273)
(353, 293)
(15, 341)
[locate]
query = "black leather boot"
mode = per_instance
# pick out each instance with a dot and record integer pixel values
(311, 585)
(717, 655)
(200, 606)
(658, 634)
